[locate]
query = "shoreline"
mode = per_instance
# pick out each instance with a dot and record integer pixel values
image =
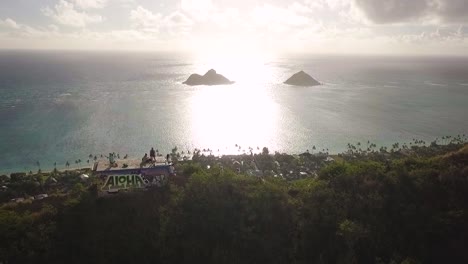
(368, 146)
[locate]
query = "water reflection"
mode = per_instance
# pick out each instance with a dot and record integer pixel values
(244, 113)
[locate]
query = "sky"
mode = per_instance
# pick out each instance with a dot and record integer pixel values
(436, 27)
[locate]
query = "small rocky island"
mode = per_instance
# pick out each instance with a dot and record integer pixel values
(210, 78)
(302, 79)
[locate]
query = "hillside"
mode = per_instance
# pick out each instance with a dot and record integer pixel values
(366, 208)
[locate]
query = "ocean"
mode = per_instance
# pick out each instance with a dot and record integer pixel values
(63, 106)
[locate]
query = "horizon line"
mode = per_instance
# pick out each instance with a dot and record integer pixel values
(192, 52)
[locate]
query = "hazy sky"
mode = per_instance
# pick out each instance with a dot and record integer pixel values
(303, 26)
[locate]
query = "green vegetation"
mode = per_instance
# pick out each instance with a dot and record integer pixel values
(406, 205)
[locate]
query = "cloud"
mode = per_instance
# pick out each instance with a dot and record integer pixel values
(9, 23)
(452, 10)
(300, 25)
(16, 30)
(295, 15)
(198, 9)
(440, 35)
(177, 20)
(391, 11)
(399, 11)
(333, 4)
(65, 13)
(85, 4)
(145, 20)
(210, 16)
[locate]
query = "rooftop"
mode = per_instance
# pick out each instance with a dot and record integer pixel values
(104, 165)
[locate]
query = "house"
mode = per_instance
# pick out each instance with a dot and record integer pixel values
(18, 200)
(41, 196)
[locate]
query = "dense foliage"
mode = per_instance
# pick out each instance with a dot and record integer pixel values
(409, 209)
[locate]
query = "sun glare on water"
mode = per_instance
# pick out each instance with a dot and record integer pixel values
(243, 113)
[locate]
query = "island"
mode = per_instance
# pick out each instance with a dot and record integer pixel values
(210, 78)
(301, 79)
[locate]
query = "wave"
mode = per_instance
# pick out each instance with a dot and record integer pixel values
(436, 84)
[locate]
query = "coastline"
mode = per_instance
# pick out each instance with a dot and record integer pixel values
(359, 194)
(188, 155)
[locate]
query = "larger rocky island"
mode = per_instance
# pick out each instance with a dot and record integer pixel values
(210, 78)
(302, 79)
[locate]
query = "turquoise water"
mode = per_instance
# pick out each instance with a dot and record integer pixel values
(63, 106)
